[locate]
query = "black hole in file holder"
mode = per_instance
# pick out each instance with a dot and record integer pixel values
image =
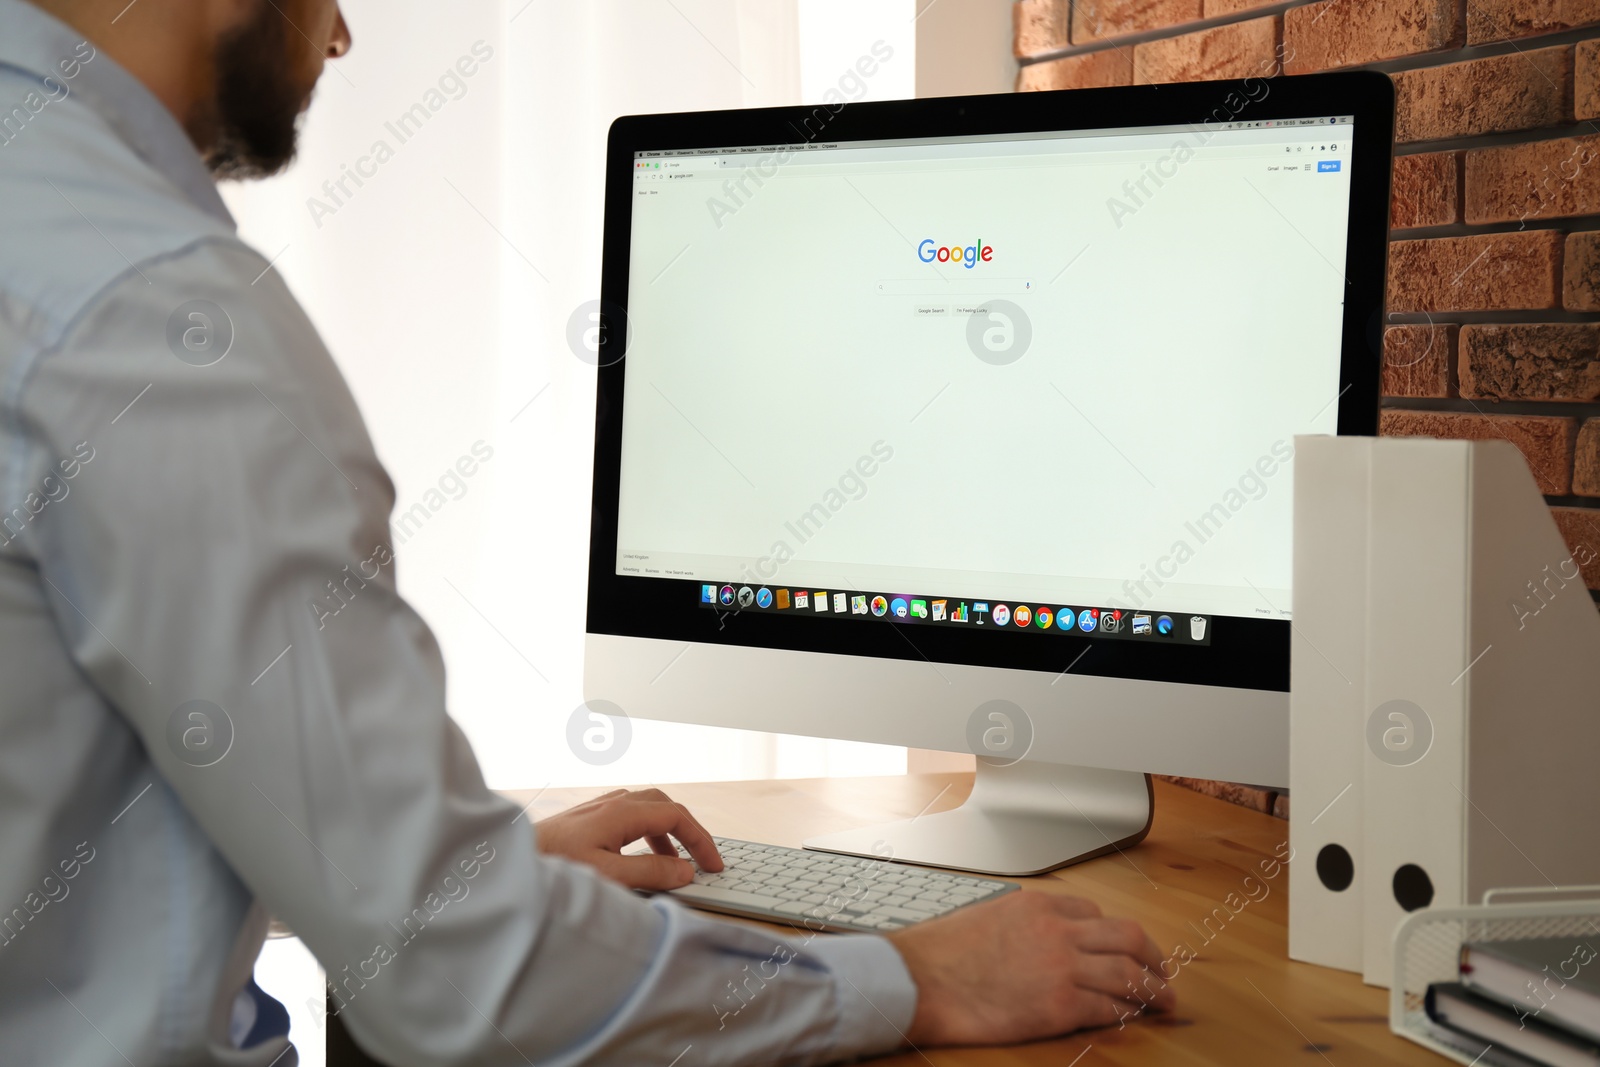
(1413, 888)
(1335, 867)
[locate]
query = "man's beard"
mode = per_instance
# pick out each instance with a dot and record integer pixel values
(252, 128)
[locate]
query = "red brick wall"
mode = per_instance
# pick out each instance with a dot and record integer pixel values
(1494, 268)
(1494, 265)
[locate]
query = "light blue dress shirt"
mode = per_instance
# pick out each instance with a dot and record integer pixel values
(188, 746)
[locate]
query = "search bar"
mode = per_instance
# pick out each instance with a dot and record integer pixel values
(954, 286)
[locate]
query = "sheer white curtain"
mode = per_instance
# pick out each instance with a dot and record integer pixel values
(441, 225)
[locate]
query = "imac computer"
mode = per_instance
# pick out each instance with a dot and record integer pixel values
(968, 424)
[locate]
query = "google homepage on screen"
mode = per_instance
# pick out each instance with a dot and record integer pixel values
(1060, 368)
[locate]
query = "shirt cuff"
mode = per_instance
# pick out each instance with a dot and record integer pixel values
(877, 997)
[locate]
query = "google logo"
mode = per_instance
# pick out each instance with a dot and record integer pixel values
(968, 257)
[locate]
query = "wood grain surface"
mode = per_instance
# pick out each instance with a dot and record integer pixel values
(1206, 881)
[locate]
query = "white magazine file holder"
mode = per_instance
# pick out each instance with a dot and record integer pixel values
(1445, 690)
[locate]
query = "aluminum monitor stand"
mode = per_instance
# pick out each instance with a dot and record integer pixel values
(1022, 818)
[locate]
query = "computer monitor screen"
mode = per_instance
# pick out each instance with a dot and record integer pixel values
(995, 396)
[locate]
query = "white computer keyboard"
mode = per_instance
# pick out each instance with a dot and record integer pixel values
(824, 891)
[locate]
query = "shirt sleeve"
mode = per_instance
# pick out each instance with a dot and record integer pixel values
(227, 555)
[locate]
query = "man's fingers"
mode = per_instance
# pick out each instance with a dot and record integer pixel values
(657, 795)
(1122, 936)
(596, 803)
(690, 816)
(1152, 956)
(647, 818)
(1097, 1009)
(661, 845)
(649, 872)
(684, 826)
(599, 801)
(692, 821)
(1119, 976)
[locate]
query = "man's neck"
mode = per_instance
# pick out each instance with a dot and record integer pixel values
(143, 38)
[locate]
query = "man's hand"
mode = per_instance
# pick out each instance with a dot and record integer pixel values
(1026, 966)
(596, 833)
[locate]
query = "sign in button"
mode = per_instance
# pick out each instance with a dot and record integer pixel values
(1328, 166)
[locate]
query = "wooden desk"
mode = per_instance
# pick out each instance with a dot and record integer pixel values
(1242, 1001)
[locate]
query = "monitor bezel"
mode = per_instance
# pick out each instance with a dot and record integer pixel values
(1248, 653)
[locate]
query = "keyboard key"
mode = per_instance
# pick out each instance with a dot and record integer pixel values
(796, 907)
(717, 895)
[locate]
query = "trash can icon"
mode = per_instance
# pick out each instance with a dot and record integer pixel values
(1197, 627)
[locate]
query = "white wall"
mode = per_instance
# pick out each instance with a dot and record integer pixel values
(964, 47)
(444, 283)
